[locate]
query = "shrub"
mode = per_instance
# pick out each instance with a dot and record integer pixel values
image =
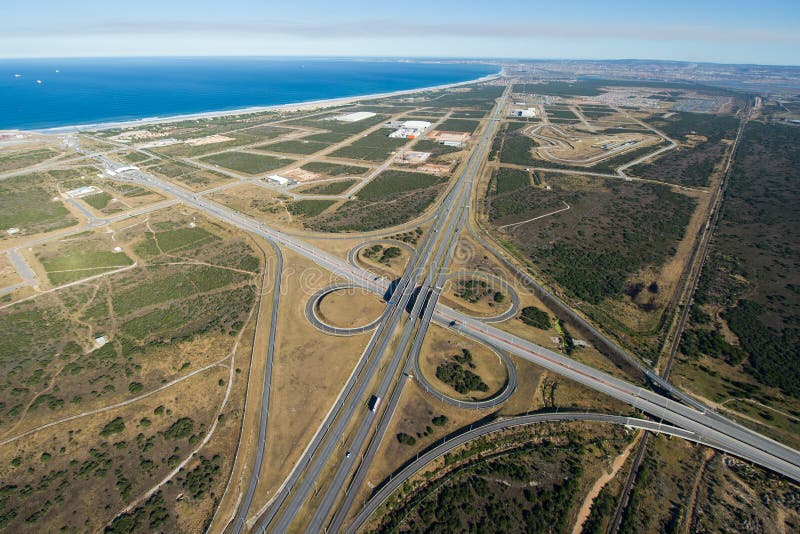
(439, 420)
(115, 426)
(405, 439)
(533, 316)
(182, 428)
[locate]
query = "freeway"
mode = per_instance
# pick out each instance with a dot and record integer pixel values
(425, 305)
(315, 458)
(452, 442)
(696, 417)
(398, 303)
(244, 508)
(592, 378)
(731, 437)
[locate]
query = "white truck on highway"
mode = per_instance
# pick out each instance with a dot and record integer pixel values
(374, 402)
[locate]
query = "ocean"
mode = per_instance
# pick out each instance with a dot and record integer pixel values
(47, 93)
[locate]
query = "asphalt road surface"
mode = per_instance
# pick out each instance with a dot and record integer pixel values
(692, 416)
(244, 507)
(453, 442)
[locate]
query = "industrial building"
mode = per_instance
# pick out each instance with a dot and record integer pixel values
(455, 139)
(354, 117)
(411, 129)
(120, 170)
(84, 191)
(525, 113)
(280, 180)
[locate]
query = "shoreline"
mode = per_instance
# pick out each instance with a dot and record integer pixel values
(292, 106)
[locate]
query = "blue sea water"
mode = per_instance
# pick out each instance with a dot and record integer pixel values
(87, 91)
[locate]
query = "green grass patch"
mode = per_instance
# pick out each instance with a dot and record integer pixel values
(372, 147)
(295, 146)
(329, 188)
(81, 259)
(333, 169)
(28, 205)
(98, 201)
(173, 282)
(20, 160)
(435, 149)
(391, 183)
(506, 180)
(394, 197)
(246, 162)
(171, 240)
(459, 125)
(309, 208)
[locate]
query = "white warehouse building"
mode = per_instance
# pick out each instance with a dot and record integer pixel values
(280, 180)
(525, 112)
(411, 129)
(355, 116)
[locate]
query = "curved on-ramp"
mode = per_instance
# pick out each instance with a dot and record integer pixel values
(314, 319)
(352, 255)
(509, 313)
(495, 400)
(451, 442)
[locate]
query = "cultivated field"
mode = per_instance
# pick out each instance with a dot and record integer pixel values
(102, 377)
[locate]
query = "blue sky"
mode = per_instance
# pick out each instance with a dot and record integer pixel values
(731, 32)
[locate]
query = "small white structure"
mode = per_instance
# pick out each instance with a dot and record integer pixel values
(100, 341)
(83, 191)
(12, 231)
(117, 250)
(280, 180)
(120, 170)
(411, 129)
(354, 117)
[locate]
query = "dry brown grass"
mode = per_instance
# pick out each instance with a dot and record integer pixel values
(258, 202)
(310, 368)
(198, 398)
(349, 308)
(393, 268)
(414, 413)
(439, 347)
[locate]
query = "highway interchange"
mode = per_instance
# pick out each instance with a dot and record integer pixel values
(419, 288)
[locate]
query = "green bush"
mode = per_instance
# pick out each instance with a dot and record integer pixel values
(182, 428)
(115, 426)
(460, 379)
(533, 316)
(405, 439)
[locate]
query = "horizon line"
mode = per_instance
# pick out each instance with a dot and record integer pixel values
(396, 58)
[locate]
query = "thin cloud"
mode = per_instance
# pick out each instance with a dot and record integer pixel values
(386, 29)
